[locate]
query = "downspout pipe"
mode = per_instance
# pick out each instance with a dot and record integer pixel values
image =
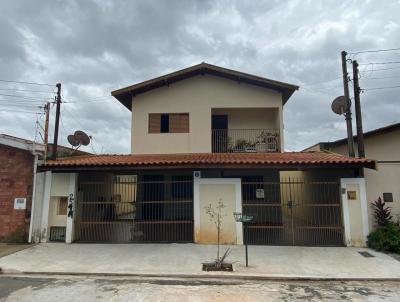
(35, 161)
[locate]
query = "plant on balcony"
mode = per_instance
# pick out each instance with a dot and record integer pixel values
(243, 145)
(267, 141)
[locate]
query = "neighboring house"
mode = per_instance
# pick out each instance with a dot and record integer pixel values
(18, 161)
(202, 136)
(382, 144)
(21, 186)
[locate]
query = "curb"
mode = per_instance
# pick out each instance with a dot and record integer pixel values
(198, 276)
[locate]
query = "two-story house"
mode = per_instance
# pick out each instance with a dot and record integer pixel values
(204, 139)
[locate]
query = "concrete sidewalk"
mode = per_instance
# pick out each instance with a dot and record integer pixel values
(178, 260)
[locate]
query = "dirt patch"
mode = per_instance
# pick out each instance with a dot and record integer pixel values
(213, 267)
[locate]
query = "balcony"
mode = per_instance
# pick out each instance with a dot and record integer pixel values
(245, 140)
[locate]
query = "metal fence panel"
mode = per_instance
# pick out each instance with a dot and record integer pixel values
(293, 212)
(122, 209)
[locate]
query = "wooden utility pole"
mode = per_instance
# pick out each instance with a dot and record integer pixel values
(350, 142)
(56, 125)
(357, 105)
(46, 127)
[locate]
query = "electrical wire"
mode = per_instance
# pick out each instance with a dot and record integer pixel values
(28, 83)
(380, 63)
(6, 110)
(27, 90)
(375, 50)
(21, 96)
(380, 88)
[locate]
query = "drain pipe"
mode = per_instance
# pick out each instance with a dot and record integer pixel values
(35, 161)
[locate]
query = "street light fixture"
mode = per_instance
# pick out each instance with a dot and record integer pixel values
(245, 219)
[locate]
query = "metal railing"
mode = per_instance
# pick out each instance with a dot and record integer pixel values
(245, 140)
(134, 211)
(293, 212)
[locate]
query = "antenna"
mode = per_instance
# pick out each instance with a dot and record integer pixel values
(339, 105)
(79, 138)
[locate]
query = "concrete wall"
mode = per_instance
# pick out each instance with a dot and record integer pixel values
(197, 96)
(386, 179)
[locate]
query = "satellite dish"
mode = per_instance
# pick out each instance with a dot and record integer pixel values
(339, 105)
(73, 141)
(82, 137)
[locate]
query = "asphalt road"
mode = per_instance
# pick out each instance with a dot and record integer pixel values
(76, 289)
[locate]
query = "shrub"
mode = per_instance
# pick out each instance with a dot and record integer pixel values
(381, 212)
(385, 238)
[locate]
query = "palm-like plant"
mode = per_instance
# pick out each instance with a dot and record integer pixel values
(382, 212)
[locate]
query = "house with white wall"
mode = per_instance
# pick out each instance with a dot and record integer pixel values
(208, 136)
(382, 144)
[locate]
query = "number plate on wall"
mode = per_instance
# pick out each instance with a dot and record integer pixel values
(20, 203)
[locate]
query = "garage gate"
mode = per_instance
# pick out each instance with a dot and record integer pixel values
(122, 209)
(293, 212)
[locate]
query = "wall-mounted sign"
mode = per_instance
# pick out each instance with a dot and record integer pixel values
(259, 193)
(20, 203)
(351, 195)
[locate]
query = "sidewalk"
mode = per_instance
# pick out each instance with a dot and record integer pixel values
(184, 260)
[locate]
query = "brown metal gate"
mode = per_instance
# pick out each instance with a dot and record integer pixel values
(293, 212)
(121, 209)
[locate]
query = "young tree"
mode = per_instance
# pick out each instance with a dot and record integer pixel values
(381, 212)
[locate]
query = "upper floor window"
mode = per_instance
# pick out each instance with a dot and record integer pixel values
(169, 123)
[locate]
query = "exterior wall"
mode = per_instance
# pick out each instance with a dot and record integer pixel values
(386, 179)
(197, 96)
(210, 192)
(16, 177)
(60, 183)
(54, 219)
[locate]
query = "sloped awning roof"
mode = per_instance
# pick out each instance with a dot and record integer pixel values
(209, 160)
(124, 95)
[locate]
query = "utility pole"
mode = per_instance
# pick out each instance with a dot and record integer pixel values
(46, 127)
(357, 105)
(350, 142)
(56, 125)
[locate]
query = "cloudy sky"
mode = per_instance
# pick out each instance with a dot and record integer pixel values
(94, 47)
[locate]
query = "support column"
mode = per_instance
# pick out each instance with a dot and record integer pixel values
(45, 207)
(355, 211)
(69, 234)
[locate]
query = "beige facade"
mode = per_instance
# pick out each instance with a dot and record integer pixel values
(247, 107)
(383, 146)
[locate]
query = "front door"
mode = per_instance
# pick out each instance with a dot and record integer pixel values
(219, 126)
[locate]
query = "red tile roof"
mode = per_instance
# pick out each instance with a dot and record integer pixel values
(203, 159)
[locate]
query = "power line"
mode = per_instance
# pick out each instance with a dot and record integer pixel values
(21, 96)
(380, 63)
(375, 50)
(380, 88)
(382, 78)
(6, 110)
(380, 69)
(27, 90)
(29, 83)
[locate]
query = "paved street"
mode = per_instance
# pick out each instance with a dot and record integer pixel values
(75, 289)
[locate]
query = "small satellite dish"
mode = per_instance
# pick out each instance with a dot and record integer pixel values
(82, 137)
(73, 141)
(339, 105)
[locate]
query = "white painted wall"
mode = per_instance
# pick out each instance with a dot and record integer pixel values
(210, 191)
(355, 212)
(197, 96)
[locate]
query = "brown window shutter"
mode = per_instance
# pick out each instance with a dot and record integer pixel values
(154, 122)
(179, 123)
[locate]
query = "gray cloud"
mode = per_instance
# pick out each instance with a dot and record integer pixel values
(93, 47)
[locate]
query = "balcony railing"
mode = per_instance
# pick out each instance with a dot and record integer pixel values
(245, 140)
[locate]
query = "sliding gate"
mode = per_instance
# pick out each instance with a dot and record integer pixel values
(293, 212)
(122, 209)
